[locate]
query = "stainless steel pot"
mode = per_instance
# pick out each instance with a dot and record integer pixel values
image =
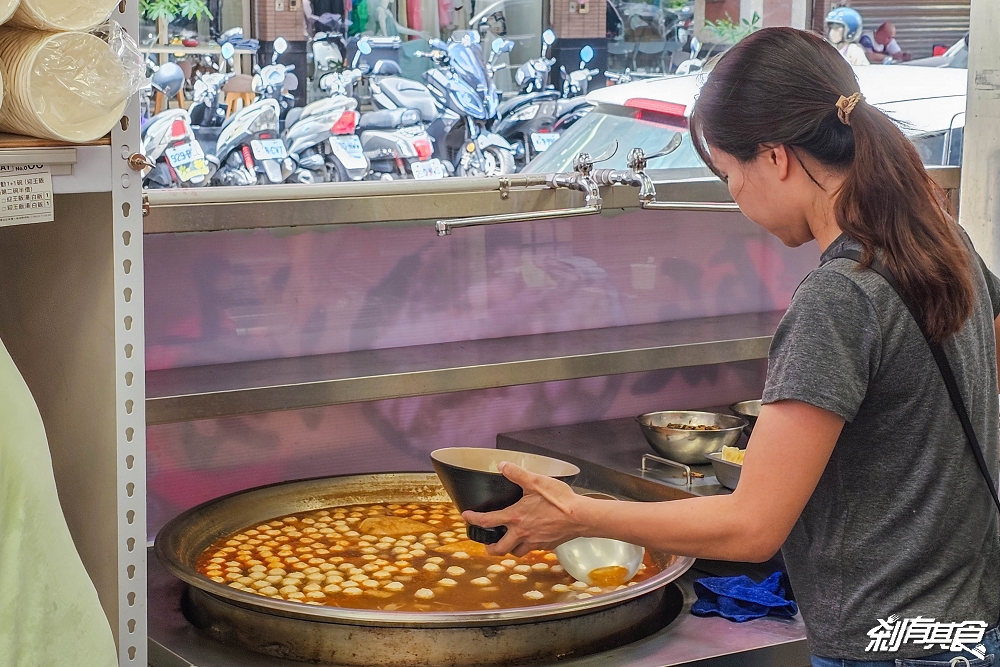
(370, 637)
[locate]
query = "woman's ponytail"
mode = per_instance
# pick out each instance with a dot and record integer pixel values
(782, 86)
(890, 205)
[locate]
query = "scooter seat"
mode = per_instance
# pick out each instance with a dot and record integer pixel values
(388, 119)
(410, 95)
(293, 116)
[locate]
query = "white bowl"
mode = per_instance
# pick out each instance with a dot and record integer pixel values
(583, 555)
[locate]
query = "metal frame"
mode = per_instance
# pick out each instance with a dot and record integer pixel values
(421, 202)
(130, 390)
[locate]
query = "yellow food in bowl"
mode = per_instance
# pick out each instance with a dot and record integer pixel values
(733, 455)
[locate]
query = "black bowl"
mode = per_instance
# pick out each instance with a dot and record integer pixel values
(471, 478)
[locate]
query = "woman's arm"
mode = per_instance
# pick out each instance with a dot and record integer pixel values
(790, 447)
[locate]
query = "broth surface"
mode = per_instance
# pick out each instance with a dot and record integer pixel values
(412, 557)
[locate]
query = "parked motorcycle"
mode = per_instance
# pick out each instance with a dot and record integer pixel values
(250, 149)
(534, 121)
(320, 136)
(207, 109)
(463, 84)
(169, 143)
(274, 81)
(397, 137)
(329, 47)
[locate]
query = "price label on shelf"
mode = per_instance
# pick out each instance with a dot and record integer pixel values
(25, 194)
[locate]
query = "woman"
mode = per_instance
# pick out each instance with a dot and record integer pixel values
(858, 468)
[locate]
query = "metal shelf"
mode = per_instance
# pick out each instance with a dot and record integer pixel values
(203, 392)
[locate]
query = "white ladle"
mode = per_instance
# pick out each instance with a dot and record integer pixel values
(583, 555)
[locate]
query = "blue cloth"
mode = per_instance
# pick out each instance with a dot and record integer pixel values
(740, 599)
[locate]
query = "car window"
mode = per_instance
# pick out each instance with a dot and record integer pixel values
(596, 132)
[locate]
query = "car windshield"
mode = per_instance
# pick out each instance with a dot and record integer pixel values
(596, 132)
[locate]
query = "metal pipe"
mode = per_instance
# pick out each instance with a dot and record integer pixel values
(689, 206)
(444, 227)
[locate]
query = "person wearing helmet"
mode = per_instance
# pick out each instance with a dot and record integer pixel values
(843, 30)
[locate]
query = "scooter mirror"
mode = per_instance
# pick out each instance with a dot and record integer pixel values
(549, 37)
(587, 53)
(364, 47)
(280, 45)
(228, 51)
(497, 45)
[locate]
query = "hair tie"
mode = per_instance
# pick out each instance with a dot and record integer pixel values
(845, 105)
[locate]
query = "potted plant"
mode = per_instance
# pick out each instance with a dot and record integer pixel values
(159, 13)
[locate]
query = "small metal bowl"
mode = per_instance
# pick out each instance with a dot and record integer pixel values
(749, 410)
(688, 446)
(727, 472)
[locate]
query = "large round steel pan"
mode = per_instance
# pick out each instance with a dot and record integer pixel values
(370, 637)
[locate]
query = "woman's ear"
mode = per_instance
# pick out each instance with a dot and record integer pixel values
(777, 158)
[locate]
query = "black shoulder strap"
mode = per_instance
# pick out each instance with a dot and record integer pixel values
(943, 365)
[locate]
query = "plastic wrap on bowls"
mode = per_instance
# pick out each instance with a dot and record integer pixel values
(62, 15)
(68, 86)
(127, 51)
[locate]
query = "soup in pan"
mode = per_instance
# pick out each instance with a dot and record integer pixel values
(412, 557)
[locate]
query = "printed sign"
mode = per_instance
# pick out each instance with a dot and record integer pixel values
(25, 194)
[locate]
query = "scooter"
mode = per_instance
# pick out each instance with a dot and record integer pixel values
(462, 84)
(328, 47)
(320, 136)
(533, 124)
(577, 82)
(250, 149)
(169, 143)
(694, 63)
(533, 76)
(206, 109)
(274, 81)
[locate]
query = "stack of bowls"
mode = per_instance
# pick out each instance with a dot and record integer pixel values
(68, 86)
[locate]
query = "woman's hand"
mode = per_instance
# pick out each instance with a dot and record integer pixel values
(548, 514)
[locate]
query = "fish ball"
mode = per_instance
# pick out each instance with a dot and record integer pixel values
(496, 569)
(534, 595)
(448, 582)
(522, 568)
(455, 571)
(481, 581)
(394, 586)
(424, 594)
(517, 578)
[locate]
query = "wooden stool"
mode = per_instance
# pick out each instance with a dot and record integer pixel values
(238, 88)
(161, 102)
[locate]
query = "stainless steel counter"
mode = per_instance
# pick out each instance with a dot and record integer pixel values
(689, 640)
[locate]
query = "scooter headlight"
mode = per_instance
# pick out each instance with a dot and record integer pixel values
(267, 120)
(524, 113)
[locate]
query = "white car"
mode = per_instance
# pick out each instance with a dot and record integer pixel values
(928, 103)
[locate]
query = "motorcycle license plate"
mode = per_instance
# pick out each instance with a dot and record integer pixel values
(429, 170)
(188, 160)
(542, 140)
(268, 149)
(351, 145)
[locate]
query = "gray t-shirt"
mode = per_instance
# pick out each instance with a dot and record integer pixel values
(901, 522)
